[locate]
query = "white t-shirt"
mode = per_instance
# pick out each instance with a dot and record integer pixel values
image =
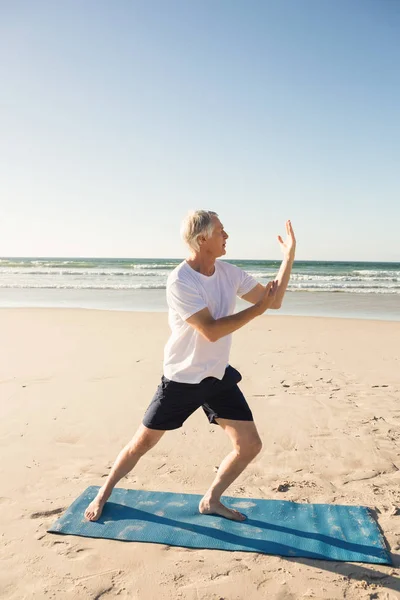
(188, 356)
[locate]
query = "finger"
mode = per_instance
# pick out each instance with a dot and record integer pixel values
(280, 240)
(268, 287)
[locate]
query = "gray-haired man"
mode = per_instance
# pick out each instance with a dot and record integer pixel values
(201, 293)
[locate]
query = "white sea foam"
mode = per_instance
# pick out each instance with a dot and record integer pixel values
(380, 273)
(65, 286)
(140, 274)
(82, 272)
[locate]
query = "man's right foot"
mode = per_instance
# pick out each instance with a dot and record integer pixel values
(208, 507)
(95, 508)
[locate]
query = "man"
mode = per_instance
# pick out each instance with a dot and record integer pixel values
(201, 294)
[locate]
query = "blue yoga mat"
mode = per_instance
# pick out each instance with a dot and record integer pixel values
(324, 531)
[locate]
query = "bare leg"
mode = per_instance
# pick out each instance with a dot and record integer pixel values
(142, 442)
(246, 446)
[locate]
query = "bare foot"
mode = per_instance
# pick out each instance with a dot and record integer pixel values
(95, 508)
(212, 507)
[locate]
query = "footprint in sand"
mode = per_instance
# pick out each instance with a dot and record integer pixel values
(78, 553)
(70, 551)
(47, 513)
(283, 487)
(67, 439)
(5, 500)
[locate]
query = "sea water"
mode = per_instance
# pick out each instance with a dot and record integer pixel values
(316, 288)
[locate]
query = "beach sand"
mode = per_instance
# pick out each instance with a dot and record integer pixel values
(74, 386)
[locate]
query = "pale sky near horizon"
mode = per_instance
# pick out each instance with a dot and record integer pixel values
(117, 118)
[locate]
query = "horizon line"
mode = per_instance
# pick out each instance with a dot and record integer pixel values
(181, 258)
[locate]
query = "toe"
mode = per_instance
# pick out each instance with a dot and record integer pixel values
(236, 515)
(89, 514)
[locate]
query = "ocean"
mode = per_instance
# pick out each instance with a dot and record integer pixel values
(317, 288)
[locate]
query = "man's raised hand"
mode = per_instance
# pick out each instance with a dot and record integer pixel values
(289, 246)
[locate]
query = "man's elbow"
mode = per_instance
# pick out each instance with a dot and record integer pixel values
(210, 333)
(207, 331)
(211, 336)
(276, 305)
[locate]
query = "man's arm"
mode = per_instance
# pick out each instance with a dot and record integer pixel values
(288, 248)
(214, 329)
(283, 280)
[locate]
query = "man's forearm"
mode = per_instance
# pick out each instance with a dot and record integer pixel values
(226, 325)
(283, 280)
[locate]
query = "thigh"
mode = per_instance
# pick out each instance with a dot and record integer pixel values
(228, 401)
(172, 404)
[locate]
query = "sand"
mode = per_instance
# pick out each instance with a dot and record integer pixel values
(74, 385)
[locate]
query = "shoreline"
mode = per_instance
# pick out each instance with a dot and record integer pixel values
(273, 314)
(382, 307)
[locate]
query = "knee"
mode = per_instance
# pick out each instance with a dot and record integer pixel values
(250, 448)
(143, 442)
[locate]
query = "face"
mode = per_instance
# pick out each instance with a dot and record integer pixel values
(215, 244)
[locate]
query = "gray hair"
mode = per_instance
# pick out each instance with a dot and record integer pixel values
(197, 222)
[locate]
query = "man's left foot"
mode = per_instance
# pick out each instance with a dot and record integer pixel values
(95, 508)
(212, 507)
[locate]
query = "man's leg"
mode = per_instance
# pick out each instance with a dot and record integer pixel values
(142, 442)
(246, 445)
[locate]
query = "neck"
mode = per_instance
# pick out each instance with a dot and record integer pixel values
(202, 264)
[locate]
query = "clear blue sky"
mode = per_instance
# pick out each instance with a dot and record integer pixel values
(118, 117)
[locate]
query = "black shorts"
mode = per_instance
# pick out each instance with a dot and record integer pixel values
(174, 402)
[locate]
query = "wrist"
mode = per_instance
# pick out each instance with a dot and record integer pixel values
(257, 310)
